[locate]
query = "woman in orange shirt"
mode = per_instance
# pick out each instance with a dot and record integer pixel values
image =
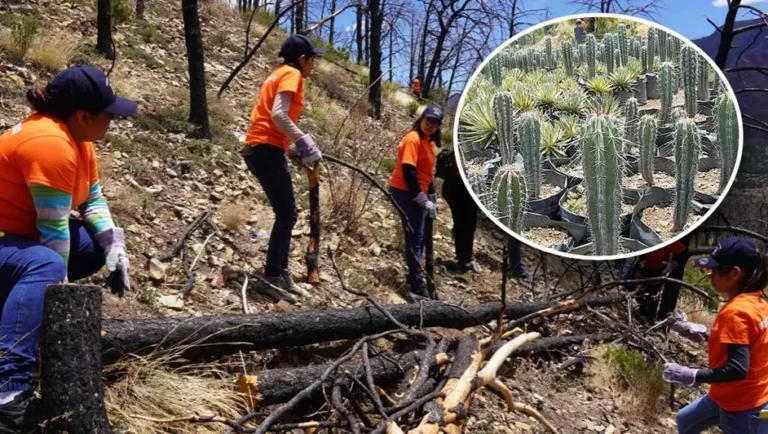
(737, 345)
(411, 187)
(273, 128)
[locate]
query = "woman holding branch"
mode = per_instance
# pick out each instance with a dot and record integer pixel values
(737, 346)
(412, 188)
(273, 128)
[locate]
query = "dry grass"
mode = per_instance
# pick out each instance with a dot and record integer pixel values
(53, 50)
(697, 310)
(120, 81)
(232, 216)
(126, 202)
(220, 9)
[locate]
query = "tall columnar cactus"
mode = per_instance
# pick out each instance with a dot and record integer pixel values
(495, 69)
(727, 136)
(538, 60)
(504, 114)
(550, 62)
(647, 145)
(636, 45)
(609, 53)
(703, 81)
(623, 44)
(652, 46)
(689, 63)
(591, 54)
(603, 165)
(666, 89)
(644, 59)
(508, 191)
(661, 37)
(687, 149)
(568, 57)
(632, 117)
(617, 58)
(529, 138)
(477, 181)
(582, 53)
(531, 59)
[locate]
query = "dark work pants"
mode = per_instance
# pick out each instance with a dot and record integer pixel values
(464, 213)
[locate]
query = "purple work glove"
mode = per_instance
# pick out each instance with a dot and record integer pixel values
(433, 198)
(427, 205)
(692, 331)
(679, 374)
(671, 265)
(307, 150)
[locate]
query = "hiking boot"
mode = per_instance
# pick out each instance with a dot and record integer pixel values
(291, 286)
(274, 288)
(470, 266)
(518, 271)
(22, 415)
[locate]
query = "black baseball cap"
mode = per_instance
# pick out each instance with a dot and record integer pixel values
(296, 45)
(732, 252)
(84, 87)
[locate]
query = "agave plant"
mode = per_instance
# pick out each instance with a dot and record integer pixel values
(599, 85)
(514, 76)
(552, 138)
(635, 67)
(600, 68)
(604, 103)
(547, 95)
(534, 78)
(622, 79)
(524, 100)
(479, 123)
(481, 89)
(572, 101)
(571, 126)
(568, 83)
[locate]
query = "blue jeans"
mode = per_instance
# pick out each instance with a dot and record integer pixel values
(705, 413)
(270, 166)
(413, 242)
(26, 270)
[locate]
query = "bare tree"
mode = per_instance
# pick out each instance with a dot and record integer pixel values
(299, 15)
(376, 10)
(640, 8)
(104, 30)
(198, 103)
(514, 15)
(140, 6)
(359, 33)
(333, 23)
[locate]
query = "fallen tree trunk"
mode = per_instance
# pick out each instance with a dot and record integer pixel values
(70, 354)
(211, 336)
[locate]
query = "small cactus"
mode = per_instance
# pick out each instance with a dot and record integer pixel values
(623, 44)
(504, 114)
(666, 89)
(636, 45)
(688, 66)
(703, 82)
(727, 137)
(647, 136)
(632, 117)
(687, 149)
(529, 138)
(591, 54)
(617, 58)
(603, 165)
(508, 191)
(568, 57)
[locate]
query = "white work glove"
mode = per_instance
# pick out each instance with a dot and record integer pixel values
(113, 242)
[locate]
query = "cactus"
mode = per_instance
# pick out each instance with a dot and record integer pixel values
(529, 138)
(582, 53)
(647, 136)
(703, 82)
(636, 49)
(550, 62)
(504, 114)
(538, 60)
(476, 178)
(644, 59)
(568, 57)
(651, 45)
(531, 58)
(727, 136)
(495, 69)
(591, 54)
(687, 149)
(661, 37)
(623, 44)
(609, 53)
(617, 58)
(632, 117)
(509, 192)
(666, 89)
(688, 66)
(603, 164)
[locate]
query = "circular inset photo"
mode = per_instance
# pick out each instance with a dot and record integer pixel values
(598, 136)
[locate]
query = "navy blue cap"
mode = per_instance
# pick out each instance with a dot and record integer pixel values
(84, 87)
(296, 45)
(732, 252)
(433, 112)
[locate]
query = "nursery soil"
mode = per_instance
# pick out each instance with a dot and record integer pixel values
(660, 220)
(547, 237)
(548, 190)
(708, 182)
(678, 100)
(660, 179)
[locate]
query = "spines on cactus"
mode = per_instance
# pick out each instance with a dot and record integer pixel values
(651, 46)
(617, 58)
(623, 44)
(632, 117)
(582, 53)
(591, 54)
(609, 53)
(647, 145)
(529, 138)
(687, 149)
(509, 192)
(603, 164)
(504, 114)
(644, 59)
(568, 57)
(661, 37)
(666, 89)
(636, 45)
(477, 181)
(727, 136)
(703, 82)
(550, 62)
(688, 66)
(495, 68)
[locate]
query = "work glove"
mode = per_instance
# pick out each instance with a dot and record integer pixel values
(433, 198)
(113, 242)
(307, 150)
(694, 332)
(671, 265)
(679, 374)
(429, 207)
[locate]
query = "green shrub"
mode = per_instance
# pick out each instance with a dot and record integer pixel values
(148, 33)
(695, 277)
(387, 164)
(121, 11)
(139, 55)
(413, 107)
(23, 31)
(388, 88)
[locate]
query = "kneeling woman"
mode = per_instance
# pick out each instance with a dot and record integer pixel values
(411, 187)
(47, 168)
(737, 346)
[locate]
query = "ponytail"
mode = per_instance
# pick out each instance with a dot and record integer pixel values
(42, 103)
(757, 279)
(38, 101)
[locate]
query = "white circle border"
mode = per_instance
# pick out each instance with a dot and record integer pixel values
(554, 21)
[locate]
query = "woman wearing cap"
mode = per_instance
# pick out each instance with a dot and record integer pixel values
(273, 128)
(737, 345)
(47, 168)
(412, 188)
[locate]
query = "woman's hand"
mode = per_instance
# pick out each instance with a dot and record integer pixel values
(679, 374)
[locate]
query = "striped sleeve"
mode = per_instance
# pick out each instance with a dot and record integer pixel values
(95, 211)
(52, 208)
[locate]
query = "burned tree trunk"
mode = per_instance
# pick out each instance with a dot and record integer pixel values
(313, 247)
(104, 30)
(359, 33)
(374, 73)
(299, 15)
(140, 6)
(198, 102)
(70, 352)
(332, 24)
